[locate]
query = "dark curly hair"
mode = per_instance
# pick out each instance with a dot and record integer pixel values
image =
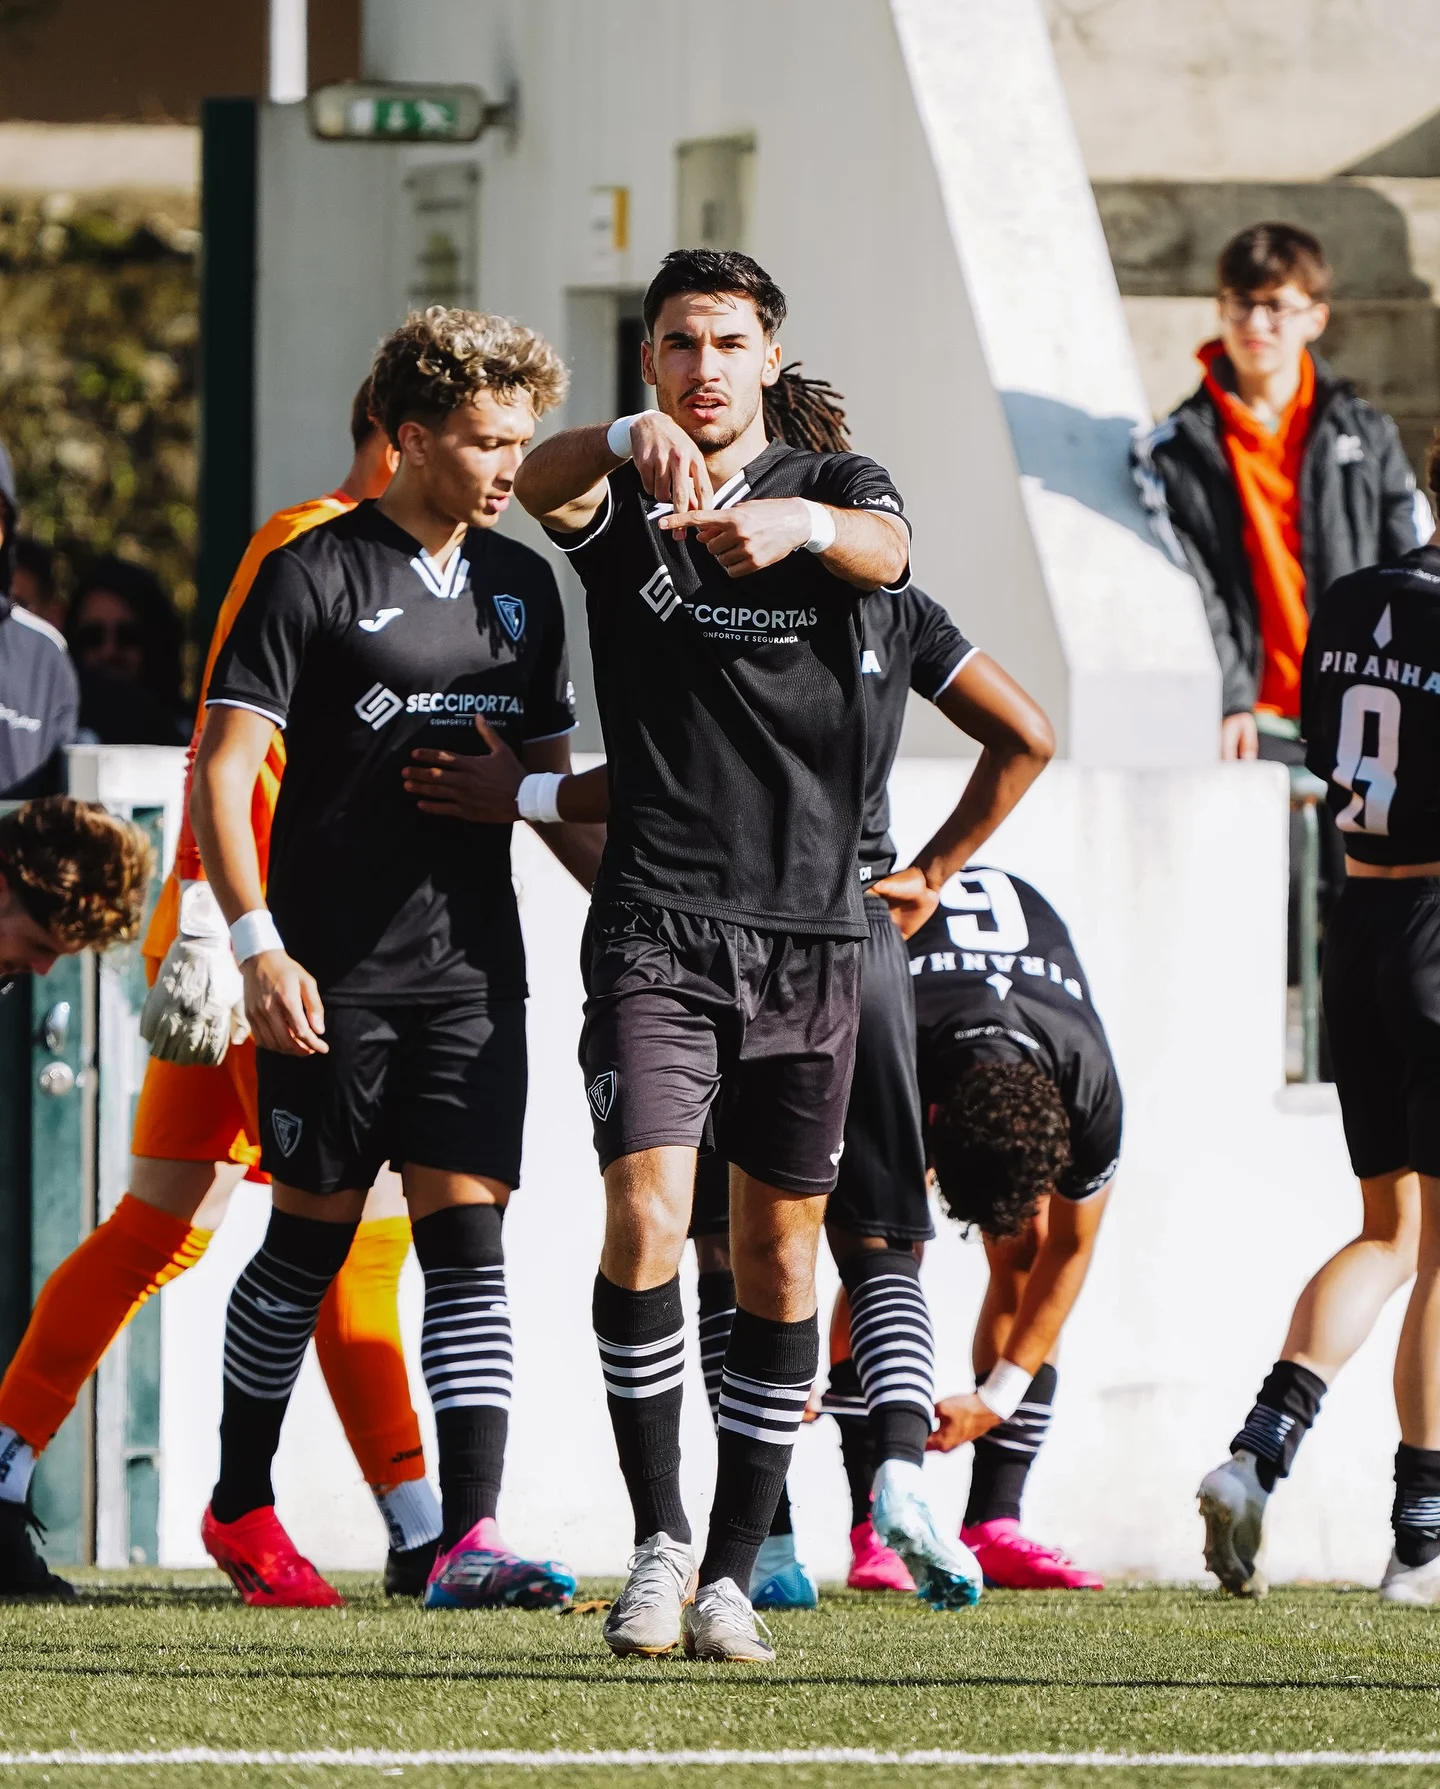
(439, 359)
(77, 870)
(998, 1144)
(807, 413)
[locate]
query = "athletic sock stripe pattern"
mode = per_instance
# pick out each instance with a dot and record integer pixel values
(892, 1341)
(1417, 1509)
(643, 1369)
(271, 1318)
(1024, 1432)
(762, 1411)
(715, 1329)
(1265, 1433)
(466, 1351)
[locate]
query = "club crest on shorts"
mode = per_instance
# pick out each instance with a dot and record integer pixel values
(287, 1128)
(511, 611)
(601, 1094)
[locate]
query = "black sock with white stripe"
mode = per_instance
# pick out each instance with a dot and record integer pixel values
(893, 1347)
(467, 1357)
(1005, 1454)
(769, 1369)
(716, 1291)
(271, 1318)
(1415, 1516)
(1288, 1402)
(641, 1337)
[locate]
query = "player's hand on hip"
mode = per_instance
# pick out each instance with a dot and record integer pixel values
(469, 788)
(283, 1005)
(1239, 737)
(671, 467)
(748, 536)
(910, 898)
(961, 1419)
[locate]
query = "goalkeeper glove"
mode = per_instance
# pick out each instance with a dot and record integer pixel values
(196, 1010)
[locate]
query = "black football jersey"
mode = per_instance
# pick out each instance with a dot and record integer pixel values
(361, 648)
(908, 642)
(732, 708)
(996, 977)
(1370, 708)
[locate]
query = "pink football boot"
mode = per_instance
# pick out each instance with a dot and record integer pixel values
(873, 1565)
(1010, 1561)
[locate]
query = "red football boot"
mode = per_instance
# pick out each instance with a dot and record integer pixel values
(260, 1560)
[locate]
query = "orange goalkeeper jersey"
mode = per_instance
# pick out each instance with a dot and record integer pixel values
(282, 527)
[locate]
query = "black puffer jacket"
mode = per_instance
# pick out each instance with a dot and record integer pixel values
(1358, 506)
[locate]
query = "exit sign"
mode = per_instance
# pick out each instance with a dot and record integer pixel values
(376, 112)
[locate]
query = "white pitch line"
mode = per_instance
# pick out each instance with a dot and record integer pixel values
(857, 1755)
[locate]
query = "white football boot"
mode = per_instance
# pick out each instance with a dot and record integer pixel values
(1417, 1585)
(645, 1618)
(720, 1625)
(1232, 1501)
(947, 1574)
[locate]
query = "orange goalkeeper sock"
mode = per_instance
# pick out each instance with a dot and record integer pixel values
(84, 1305)
(362, 1358)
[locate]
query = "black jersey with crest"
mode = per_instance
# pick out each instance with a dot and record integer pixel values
(1370, 708)
(732, 708)
(361, 648)
(908, 642)
(996, 977)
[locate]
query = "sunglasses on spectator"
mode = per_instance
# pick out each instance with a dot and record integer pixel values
(1239, 307)
(95, 634)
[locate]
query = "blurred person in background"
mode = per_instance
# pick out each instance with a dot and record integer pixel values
(32, 581)
(126, 638)
(38, 692)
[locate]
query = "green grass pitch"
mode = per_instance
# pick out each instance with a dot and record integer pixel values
(154, 1660)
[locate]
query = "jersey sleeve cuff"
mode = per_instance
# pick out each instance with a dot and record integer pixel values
(540, 738)
(954, 671)
(249, 707)
(572, 543)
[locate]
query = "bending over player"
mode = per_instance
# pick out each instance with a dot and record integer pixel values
(1024, 1114)
(197, 1134)
(1371, 716)
(385, 982)
(72, 877)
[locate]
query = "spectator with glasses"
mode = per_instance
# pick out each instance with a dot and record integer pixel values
(1273, 479)
(126, 640)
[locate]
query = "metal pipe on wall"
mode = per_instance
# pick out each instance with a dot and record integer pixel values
(288, 79)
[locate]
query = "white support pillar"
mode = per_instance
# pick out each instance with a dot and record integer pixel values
(289, 52)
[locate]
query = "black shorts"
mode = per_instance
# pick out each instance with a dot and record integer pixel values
(880, 1189)
(1382, 1009)
(439, 1086)
(683, 1011)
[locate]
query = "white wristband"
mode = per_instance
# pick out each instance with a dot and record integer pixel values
(822, 527)
(617, 436)
(1004, 1388)
(253, 932)
(538, 796)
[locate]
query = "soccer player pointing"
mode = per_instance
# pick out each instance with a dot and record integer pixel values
(724, 575)
(385, 982)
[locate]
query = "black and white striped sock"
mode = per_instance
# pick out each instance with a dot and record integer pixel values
(893, 1347)
(1287, 1404)
(716, 1292)
(468, 1358)
(1415, 1515)
(1005, 1454)
(641, 1338)
(769, 1369)
(268, 1325)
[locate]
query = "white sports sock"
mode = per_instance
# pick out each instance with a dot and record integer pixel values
(410, 1512)
(17, 1466)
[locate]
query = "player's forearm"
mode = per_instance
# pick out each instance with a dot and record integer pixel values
(579, 848)
(557, 475)
(1050, 1292)
(584, 798)
(869, 550)
(220, 815)
(995, 786)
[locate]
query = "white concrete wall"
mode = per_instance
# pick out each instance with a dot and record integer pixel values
(1173, 883)
(945, 269)
(1228, 90)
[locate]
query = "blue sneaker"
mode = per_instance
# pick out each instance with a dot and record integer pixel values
(779, 1581)
(480, 1572)
(947, 1574)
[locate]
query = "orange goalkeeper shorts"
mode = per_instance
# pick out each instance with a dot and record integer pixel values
(189, 1114)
